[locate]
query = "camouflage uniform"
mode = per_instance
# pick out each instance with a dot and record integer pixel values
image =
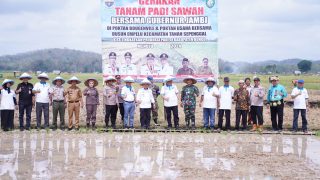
(156, 92)
(188, 99)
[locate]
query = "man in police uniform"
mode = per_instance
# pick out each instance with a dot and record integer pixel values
(128, 68)
(165, 68)
(150, 68)
(185, 70)
(205, 69)
(112, 68)
(155, 92)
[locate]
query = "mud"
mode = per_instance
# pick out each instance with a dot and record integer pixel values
(66, 155)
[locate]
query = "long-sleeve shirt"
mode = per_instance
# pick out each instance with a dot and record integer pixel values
(57, 93)
(92, 96)
(73, 94)
(242, 99)
(26, 95)
(8, 99)
(257, 100)
(146, 98)
(189, 94)
(110, 95)
(276, 93)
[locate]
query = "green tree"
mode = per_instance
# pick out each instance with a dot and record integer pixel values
(304, 65)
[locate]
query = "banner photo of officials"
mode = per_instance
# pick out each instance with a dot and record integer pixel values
(159, 38)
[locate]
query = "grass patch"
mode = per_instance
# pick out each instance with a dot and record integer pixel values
(318, 133)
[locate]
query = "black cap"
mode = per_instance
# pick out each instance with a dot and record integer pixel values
(112, 54)
(226, 79)
(164, 56)
(185, 59)
(150, 55)
(256, 79)
(118, 77)
(127, 54)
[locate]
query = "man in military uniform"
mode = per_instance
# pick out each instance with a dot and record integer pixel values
(128, 68)
(155, 92)
(189, 95)
(165, 68)
(185, 70)
(150, 68)
(205, 69)
(112, 68)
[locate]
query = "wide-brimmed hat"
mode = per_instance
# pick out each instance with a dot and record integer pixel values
(241, 81)
(145, 81)
(58, 78)
(128, 79)
(274, 78)
(7, 81)
(74, 78)
(91, 79)
(43, 75)
(110, 78)
(210, 79)
(168, 78)
(194, 81)
(25, 76)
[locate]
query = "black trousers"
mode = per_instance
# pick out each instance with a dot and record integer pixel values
(257, 114)
(241, 114)
(7, 117)
(121, 108)
(145, 117)
(277, 111)
(221, 114)
(25, 108)
(174, 111)
(111, 113)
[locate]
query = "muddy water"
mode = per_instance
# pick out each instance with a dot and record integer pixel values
(157, 156)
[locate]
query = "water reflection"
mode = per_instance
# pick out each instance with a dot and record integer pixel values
(165, 156)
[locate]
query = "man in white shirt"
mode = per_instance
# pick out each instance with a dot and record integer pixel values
(145, 100)
(300, 103)
(209, 101)
(41, 91)
(128, 95)
(226, 95)
(169, 93)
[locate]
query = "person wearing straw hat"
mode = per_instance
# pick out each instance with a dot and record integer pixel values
(300, 98)
(256, 101)
(111, 102)
(7, 105)
(275, 99)
(146, 101)
(242, 98)
(155, 92)
(189, 94)
(119, 87)
(92, 101)
(26, 100)
(209, 101)
(129, 96)
(169, 93)
(59, 103)
(75, 102)
(226, 94)
(41, 91)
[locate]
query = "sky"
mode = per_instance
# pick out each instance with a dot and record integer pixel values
(249, 30)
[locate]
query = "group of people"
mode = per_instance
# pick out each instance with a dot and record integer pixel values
(151, 67)
(248, 99)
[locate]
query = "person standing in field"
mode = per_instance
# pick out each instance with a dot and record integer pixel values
(189, 94)
(226, 95)
(257, 94)
(110, 101)
(59, 103)
(275, 98)
(300, 105)
(209, 101)
(119, 87)
(92, 101)
(146, 101)
(169, 93)
(248, 86)
(242, 99)
(26, 100)
(41, 91)
(75, 102)
(7, 105)
(155, 92)
(128, 94)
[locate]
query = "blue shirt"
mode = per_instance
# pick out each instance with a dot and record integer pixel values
(276, 93)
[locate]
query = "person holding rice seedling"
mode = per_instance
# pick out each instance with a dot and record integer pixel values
(110, 101)
(92, 101)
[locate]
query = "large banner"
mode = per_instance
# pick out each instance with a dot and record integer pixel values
(159, 38)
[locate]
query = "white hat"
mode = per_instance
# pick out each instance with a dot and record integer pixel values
(210, 79)
(145, 81)
(43, 75)
(58, 78)
(241, 81)
(7, 81)
(274, 78)
(194, 81)
(110, 78)
(74, 78)
(25, 76)
(168, 78)
(128, 79)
